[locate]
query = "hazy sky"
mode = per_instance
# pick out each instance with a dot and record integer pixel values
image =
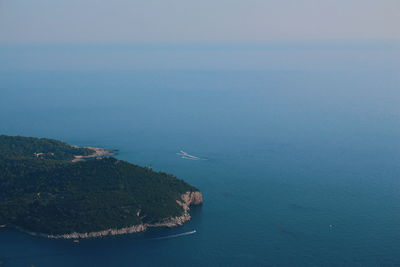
(204, 21)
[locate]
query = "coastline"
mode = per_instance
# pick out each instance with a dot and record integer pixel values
(187, 199)
(97, 152)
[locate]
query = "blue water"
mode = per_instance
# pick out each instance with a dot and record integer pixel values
(302, 169)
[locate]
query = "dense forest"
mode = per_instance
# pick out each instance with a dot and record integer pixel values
(20, 146)
(55, 196)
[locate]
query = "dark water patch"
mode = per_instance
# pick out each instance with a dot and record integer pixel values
(235, 196)
(301, 207)
(9, 259)
(285, 231)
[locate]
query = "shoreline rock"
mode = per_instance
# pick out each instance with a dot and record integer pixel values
(97, 152)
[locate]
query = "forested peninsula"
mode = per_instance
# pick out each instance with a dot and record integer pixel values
(56, 190)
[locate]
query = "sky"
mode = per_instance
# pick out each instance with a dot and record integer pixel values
(189, 21)
(200, 35)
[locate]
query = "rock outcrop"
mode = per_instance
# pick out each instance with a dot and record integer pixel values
(187, 199)
(192, 198)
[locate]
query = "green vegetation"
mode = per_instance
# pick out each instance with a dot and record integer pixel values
(20, 146)
(56, 196)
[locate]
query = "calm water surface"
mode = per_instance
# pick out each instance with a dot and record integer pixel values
(302, 168)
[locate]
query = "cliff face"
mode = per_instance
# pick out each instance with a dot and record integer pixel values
(187, 199)
(192, 198)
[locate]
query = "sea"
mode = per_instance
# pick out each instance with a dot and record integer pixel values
(300, 165)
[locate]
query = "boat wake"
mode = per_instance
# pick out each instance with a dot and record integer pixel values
(185, 155)
(173, 236)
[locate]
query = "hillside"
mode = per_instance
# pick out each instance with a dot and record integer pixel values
(31, 147)
(56, 196)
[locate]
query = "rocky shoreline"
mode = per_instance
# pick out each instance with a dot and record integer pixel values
(187, 199)
(97, 152)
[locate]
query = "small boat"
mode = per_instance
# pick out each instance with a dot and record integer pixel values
(186, 155)
(176, 235)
